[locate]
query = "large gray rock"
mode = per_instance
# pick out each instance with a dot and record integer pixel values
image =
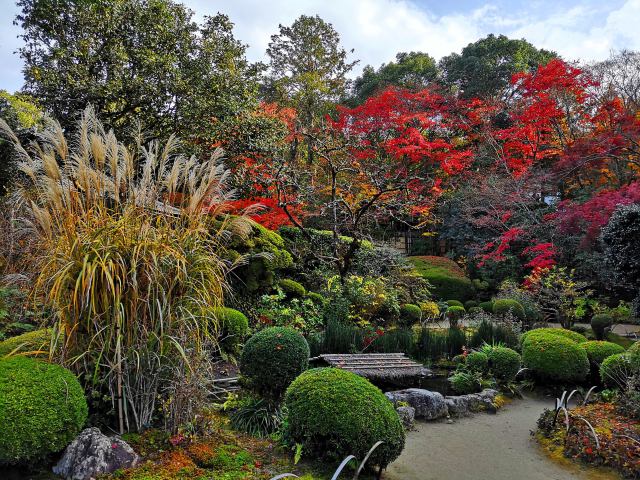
(407, 416)
(93, 453)
(474, 402)
(428, 405)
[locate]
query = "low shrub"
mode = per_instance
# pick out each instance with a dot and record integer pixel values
(291, 288)
(615, 370)
(634, 357)
(599, 325)
(259, 417)
(42, 409)
(504, 363)
(410, 314)
(598, 350)
(234, 327)
(555, 358)
(558, 332)
(34, 343)
(455, 303)
(335, 413)
(272, 358)
(454, 314)
(464, 382)
(486, 306)
(478, 362)
(504, 305)
(469, 304)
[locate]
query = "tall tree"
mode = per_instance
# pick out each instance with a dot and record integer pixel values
(413, 71)
(307, 70)
(135, 60)
(484, 68)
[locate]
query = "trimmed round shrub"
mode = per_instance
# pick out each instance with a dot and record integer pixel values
(42, 409)
(315, 298)
(454, 314)
(486, 306)
(469, 304)
(598, 350)
(455, 303)
(504, 363)
(335, 413)
(633, 353)
(464, 382)
(504, 305)
(478, 362)
(410, 314)
(475, 310)
(34, 342)
(234, 326)
(291, 288)
(555, 358)
(599, 325)
(558, 332)
(615, 370)
(272, 358)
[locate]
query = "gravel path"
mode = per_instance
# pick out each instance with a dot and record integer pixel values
(491, 447)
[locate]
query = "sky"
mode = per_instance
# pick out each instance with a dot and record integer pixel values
(378, 29)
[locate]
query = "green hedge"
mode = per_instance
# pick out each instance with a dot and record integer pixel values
(598, 350)
(335, 413)
(486, 306)
(504, 363)
(272, 358)
(504, 305)
(559, 332)
(469, 304)
(555, 358)
(42, 409)
(455, 303)
(36, 341)
(316, 298)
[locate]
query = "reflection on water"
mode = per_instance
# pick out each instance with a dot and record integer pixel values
(21, 473)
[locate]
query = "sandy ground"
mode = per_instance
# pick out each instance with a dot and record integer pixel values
(485, 446)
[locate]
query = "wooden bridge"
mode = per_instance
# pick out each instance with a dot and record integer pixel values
(374, 366)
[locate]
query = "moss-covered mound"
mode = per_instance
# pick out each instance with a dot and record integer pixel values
(446, 277)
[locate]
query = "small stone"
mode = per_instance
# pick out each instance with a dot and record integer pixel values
(93, 453)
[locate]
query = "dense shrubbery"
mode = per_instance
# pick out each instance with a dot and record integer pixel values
(430, 310)
(615, 370)
(598, 350)
(477, 362)
(455, 303)
(554, 358)
(272, 358)
(36, 342)
(504, 363)
(464, 382)
(599, 325)
(42, 409)
(446, 277)
(335, 413)
(502, 306)
(454, 314)
(486, 306)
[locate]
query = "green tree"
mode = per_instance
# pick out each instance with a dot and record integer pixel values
(414, 70)
(307, 70)
(485, 67)
(136, 60)
(23, 117)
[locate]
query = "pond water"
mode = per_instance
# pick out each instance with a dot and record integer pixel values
(496, 447)
(17, 473)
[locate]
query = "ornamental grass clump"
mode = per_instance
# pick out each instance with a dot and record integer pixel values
(126, 258)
